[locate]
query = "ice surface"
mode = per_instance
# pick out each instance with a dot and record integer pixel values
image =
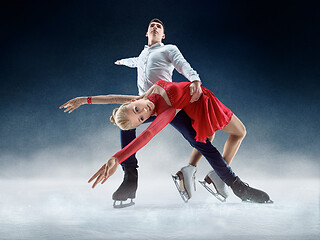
(45, 195)
(70, 209)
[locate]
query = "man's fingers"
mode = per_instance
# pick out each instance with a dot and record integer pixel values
(195, 97)
(191, 90)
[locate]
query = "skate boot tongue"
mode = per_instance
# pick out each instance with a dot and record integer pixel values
(249, 194)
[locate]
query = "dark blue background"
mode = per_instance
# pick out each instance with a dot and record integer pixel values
(261, 58)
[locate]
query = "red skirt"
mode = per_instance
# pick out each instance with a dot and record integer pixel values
(208, 115)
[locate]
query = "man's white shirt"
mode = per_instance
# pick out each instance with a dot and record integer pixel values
(157, 62)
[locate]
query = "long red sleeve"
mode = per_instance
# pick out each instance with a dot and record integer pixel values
(156, 126)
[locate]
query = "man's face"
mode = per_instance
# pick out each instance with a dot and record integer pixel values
(155, 31)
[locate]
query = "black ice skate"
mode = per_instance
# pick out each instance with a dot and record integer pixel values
(127, 189)
(249, 194)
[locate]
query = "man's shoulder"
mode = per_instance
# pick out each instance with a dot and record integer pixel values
(170, 47)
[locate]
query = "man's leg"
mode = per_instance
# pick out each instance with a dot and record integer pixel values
(237, 132)
(187, 174)
(211, 178)
(129, 186)
(196, 155)
(183, 124)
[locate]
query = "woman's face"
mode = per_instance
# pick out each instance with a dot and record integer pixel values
(139, 111)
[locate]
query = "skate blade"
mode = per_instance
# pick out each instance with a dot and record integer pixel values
(123, 205)
(182, 192)
(214, 193)
(249, 201)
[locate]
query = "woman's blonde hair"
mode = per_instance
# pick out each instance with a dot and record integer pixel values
(119, 117)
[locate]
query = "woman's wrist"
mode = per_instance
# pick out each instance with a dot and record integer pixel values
(89, 100)
(83, 100)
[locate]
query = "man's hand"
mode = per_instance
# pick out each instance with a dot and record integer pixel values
(73, 104)
(117, 62)
(195, 91)
(106, 171)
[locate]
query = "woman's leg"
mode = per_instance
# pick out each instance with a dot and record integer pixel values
(182, 123)
(237, 132)
(196, 155)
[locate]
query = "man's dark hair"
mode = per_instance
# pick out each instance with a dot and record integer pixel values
(158, 21)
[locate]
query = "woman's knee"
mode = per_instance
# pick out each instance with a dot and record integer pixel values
(240, 128)
(240, 132)
(235, 128)
(243, 131)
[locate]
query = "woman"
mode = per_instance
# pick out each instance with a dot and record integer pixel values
(165, 100)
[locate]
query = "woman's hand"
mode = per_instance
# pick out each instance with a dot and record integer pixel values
(73, 104)
(107, 170)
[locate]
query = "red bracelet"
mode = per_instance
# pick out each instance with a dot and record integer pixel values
(89, 100)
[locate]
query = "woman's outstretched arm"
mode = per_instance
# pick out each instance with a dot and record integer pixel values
(156, 126)
(74, 103)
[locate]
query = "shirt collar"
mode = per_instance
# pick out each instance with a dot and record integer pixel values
(154, 45)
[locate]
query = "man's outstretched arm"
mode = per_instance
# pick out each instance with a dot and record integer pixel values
(129, 62)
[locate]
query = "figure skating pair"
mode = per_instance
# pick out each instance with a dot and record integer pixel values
(165, 100)
(158, 61)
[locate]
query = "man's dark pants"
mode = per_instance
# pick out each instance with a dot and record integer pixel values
(182, 123)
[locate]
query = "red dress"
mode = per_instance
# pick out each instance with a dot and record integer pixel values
(207, 115)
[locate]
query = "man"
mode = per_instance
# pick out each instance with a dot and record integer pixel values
(157, 61)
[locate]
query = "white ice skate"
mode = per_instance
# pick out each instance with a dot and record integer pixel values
(220, 189)
(185, 181)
